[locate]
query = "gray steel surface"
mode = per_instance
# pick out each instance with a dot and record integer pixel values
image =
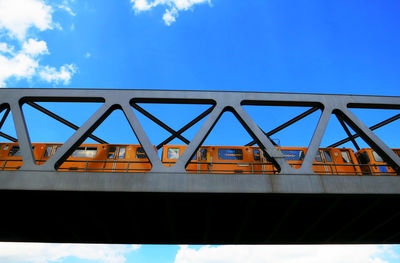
(168, 205)
(221, 102)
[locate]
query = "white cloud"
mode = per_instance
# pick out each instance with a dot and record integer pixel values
(5, 48)
(34, 47)
(173, 7)
(21, 60)
(65, 5)
(286, 254)
(170, 16)
(88, 55)
(64, 74)
(17, 16)
(19, 66)
(43, 253)
(25, 64)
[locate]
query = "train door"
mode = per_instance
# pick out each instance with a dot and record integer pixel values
(47, 153)
(379, 166)
(257, 163)
(199, 163)
(347, 165)
(116, 159)
(141, 162)
(203, 160)
(325, 164)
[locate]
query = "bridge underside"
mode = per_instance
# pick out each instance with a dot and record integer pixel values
(177, 209)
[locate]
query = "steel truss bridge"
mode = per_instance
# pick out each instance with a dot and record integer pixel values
(168, 205)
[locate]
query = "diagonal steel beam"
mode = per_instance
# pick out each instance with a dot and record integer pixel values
(63, 121)
(8, 137)
(348, 132)
(286, 124)
(374, 127)
(160, 123)
(371, 139)
(4, 117)
(78, 137)
(262, 140)
(316, 139)
(142, 138)
(187, 126)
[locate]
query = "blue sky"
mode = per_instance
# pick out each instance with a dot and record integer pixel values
(339, 47)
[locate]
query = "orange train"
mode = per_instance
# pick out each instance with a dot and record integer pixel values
(208, 159)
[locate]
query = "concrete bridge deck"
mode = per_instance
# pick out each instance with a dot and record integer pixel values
(198, 209)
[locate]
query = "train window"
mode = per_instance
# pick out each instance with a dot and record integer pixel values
(377, 157)
(111, 152)
(318, 157)
(256, 154)
(194, 157)
(86, 152)
(140, 154)
(345, 156)
(47, 153)
(293, 155)
(327, 155)
(203, 153)
(173, 153)
(14, 151)
(230, 154)
(122, 151)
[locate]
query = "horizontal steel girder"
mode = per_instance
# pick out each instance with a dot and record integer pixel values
(222, 101)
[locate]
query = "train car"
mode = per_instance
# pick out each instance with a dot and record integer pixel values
(339, 161)
(239, 159)
(217, 159)
(87, 157)
(373, 164)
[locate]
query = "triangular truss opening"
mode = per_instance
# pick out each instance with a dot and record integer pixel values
(121, 153)
(10, 154)
(367, 153)
(290, 128)
(7, 128)
(171, 124)
(50, 124)
(224, 151)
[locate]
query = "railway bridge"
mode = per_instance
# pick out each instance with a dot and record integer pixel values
(171, 205)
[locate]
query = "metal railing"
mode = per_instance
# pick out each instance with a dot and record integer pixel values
(212, 167)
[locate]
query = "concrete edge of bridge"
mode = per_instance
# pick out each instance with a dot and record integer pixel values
(198, 183)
